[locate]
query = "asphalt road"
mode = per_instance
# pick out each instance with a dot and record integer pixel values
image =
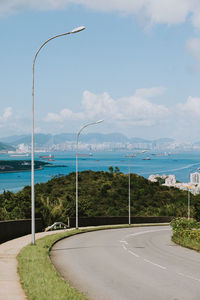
(129, 264)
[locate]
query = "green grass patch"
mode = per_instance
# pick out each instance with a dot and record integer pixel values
(186, 233)
(188, 238)
(38, 276)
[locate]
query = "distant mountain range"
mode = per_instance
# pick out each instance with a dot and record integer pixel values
(93, 138)
(5, 147)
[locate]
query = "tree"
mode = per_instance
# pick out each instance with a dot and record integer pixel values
(111, 170)
(117, 170)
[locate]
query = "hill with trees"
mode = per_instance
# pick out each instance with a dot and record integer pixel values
(100, 194)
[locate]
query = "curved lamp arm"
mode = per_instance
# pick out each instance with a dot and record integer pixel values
(78, 134)
(75, 30)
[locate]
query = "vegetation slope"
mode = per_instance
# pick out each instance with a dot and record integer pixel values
(100, 194)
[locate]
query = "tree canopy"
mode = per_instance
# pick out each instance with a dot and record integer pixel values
(100, 194)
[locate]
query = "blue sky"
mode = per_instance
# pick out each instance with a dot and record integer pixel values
(137, 66)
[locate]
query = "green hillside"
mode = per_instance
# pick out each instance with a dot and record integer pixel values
(100, 194)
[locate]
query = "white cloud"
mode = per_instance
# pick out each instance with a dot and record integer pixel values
(64, 115)
(134, 110)
(5, 116)
(156, 11)
(193, 46)
(151, 92)
(191, 108)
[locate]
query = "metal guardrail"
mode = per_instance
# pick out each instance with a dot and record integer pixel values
(56, 225)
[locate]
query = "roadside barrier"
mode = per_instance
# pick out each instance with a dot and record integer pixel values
(12, 229)
(98, 221)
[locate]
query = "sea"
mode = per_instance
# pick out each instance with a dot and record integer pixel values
(144, 164)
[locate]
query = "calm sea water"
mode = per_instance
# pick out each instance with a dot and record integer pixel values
(180, 165)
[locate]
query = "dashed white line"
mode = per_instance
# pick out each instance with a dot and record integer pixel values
(124, 247)
(157, 265)
(131, 252)
(146, 231)
(188, 276)
(125, 242)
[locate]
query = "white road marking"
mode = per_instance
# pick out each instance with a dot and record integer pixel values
(148, 261)
(157, 265)
(124, 247)
(188, 276)
(146, 231)
(125, 242)
(131, 252)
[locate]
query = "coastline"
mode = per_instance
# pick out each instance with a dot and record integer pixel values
(36, 169)
(19, 171)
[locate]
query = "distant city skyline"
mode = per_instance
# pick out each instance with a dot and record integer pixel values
(95, 142)
(137, 66)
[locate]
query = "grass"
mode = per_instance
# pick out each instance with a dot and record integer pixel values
(186, 232)
(39, 278)
(188, 238)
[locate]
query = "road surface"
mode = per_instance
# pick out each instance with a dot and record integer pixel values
(129, 264)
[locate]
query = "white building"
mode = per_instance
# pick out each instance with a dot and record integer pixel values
(170, 180)
(195, 178)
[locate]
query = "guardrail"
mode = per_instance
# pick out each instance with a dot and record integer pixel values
(98, 221)
(12, 229)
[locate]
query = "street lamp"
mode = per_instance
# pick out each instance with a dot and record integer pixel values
(188, 203)
(129, 187)
(75, 30)
(78, 134)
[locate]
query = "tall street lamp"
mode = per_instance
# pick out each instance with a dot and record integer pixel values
(129, 187)
(75, 30)
(189, 202)
(78, 134)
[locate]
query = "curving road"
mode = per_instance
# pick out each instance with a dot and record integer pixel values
(129, 264)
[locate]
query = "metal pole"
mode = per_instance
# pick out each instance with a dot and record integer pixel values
(78, 134)
(188, 204)
(32, 138)
(32, 166)
(129, 194)
(77, 180)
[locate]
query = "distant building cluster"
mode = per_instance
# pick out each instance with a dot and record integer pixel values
(170, 180)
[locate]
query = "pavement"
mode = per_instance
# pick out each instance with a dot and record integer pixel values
(129, 264)
(10, 287)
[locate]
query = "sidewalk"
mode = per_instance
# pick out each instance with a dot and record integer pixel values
(10, 287)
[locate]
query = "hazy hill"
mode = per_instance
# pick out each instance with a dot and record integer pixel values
(93, 138)
(6, 147)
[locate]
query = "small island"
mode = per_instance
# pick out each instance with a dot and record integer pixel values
(20, 165)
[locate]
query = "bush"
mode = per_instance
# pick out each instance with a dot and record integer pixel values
(180, 224)
(186, 233)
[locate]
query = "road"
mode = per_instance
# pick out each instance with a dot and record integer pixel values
(129, 264)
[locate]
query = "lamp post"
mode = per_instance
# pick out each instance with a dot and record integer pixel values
(75, 30)
(78, 134)
(129, 188)
(188, 203)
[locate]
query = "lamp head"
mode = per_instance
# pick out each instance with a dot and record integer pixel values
(100, 121)
(78, 29)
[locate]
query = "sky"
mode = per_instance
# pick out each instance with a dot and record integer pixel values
(136, 66)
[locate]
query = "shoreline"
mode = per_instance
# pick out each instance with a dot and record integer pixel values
(36, 169)
(19, 171)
